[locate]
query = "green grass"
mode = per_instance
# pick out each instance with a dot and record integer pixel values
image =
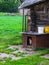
(43, 51)
(10, 26)
(31, 60)
(8, 51)
(21, 54)
(4, 49)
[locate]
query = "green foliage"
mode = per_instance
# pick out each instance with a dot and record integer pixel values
(9, 5)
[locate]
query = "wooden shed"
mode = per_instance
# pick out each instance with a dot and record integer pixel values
(35, 24)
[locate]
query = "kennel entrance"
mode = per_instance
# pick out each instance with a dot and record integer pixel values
(29, 41)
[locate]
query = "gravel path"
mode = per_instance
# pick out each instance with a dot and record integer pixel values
(20, 50)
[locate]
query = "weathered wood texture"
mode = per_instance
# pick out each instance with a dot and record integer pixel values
(39, 16)
(42, 12)
(38, 41)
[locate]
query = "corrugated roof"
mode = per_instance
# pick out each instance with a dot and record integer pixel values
(30, 2)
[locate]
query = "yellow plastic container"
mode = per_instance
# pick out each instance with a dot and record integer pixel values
(46, 29)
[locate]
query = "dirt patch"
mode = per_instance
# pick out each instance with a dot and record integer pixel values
(4, 55)
(45, 56)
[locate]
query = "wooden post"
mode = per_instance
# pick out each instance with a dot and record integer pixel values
(33, 20)
(23, 22)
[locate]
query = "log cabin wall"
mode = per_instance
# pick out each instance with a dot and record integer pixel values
(42, 12)
(32, 20)
(39, 16)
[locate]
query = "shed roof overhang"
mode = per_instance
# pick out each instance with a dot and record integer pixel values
(28, 3)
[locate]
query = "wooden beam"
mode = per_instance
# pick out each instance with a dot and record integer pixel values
(23, 22)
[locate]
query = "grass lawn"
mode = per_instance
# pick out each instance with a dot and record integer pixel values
(31, 60)
(10, 26)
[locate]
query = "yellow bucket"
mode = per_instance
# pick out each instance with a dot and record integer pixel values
(46, 29)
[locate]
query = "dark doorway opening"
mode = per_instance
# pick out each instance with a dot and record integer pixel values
(29, 41)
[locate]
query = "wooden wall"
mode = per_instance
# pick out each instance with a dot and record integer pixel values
(39, 14)
(42, 13)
